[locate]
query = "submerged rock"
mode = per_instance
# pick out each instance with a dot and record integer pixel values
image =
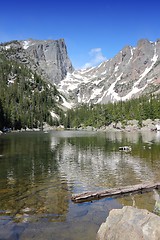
(130, 223)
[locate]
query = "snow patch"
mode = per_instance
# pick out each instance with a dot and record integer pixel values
(111, 89)
(116, 68)
(103, 73)
(54, 115)
(131, 55)
(85, 70)
(7, 47)
(10, 81)
(100, 99)
(66, 104)
(69, 83)
(96, 82)
(101, 64)
(96, 92)
(26, 44)
(77, 75)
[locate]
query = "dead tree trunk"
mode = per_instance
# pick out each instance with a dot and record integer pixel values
(115, 192)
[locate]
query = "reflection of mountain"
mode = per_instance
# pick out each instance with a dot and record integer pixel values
(93, 168)
(30, 184)
(96, 162)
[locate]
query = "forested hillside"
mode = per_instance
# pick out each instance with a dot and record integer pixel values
(26, 100)
(142, 108)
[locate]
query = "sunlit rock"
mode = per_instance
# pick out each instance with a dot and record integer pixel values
(157, 204)
(130, 223)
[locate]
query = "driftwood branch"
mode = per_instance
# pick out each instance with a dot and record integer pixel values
(115, 192)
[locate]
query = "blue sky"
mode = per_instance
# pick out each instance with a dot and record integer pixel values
(93, 30)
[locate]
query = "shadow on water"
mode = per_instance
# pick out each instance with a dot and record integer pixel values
(39, 172)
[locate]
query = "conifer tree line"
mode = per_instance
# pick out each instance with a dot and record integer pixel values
(142, 108)
(25, 99)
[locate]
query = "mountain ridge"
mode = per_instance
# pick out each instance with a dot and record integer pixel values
(132, 72)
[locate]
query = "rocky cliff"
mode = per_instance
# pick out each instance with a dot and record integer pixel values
(132, 72)
(48, 58)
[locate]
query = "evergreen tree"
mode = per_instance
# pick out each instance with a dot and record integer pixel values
(25, 98)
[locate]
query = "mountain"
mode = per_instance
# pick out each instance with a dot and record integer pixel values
(47, 58)
(28, 73)
(38, 82)
(132, 72)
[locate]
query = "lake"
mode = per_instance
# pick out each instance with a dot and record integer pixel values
(40, 171)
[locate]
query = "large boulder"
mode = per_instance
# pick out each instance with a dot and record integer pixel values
(130, 223)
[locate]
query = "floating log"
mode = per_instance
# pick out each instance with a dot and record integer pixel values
(114, 192)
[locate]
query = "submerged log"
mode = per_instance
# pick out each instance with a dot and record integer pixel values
(115, 192)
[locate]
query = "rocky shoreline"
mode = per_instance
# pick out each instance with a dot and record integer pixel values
(127, 126)
(133, 125)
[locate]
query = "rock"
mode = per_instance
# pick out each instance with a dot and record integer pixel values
(89, 128)
(130, 223)
(119, 125)
(125, 148)
(157, 204)
(157, 207)
(132, 122)
(52, 58)
(130, 128)
(49, 58)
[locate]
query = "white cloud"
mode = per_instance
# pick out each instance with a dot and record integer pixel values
(96, 57)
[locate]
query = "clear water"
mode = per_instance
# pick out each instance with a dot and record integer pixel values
(40, 171)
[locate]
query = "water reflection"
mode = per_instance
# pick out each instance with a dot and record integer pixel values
(95, 161)
(29, 179)
(39, 172)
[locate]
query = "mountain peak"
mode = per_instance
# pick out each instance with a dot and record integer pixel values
(48, 57)
(132, 72)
